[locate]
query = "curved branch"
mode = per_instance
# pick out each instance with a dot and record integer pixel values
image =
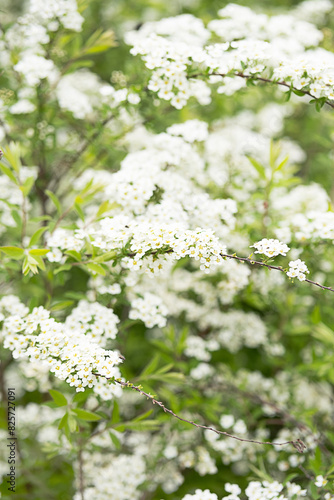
(297, 444)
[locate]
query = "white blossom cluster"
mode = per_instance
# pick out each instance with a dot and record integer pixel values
(191, 130)
(254, 491)
(53, 12)
(82, 93)
(297, 269)
(70, 354)
(271, 247)
(251, 45)
(239, 329)
(313, 10)
(201, 495)
(119, 475)
(150, 310)
(97, 322)
(35, 68)
(309, 226)
(31, 34)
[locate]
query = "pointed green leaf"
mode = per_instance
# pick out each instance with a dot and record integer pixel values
(260, 168)
(62, 305)
(58, 397)
(15, 253)
(55, 200)
(39, 252)
(89, 416)
(73, 253)
(63, 421)
(28, 184)
(96, 268)
(7, 171)
(36, 236)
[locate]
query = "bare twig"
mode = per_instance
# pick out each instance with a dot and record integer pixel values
(81, 474)
(298, 443)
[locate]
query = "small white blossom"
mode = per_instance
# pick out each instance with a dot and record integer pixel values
(297, 269)
(271, 247)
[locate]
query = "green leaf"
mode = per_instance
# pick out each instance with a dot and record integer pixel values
(40, 218)
(58, 397)
(80, 397)
(62, 305)
(145, 425)
(63, 421)
(12, 154)
(151, 367)
(104, 207)
(96, 268)
(73, 253)
(36, 236)
(17, 218)
(15, 253)
(171, 378)
(35, 260)
(79, 211)
(72, 423)
(298, 92)
(281, 165)
(89, 416)
(25, 266)
(99, 42)
(115, 440)
(105, 257)
(28, 184)
(260, 168)
(115, 417)
(324, 334)
(38, 252)
(275, 151)
(65, 267)
(55, 200)
(7, 171)
(143, 416)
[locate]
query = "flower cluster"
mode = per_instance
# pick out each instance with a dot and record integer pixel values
(271, 247)
(123, 476)
(150, 310)
(251, 45)
(255, 490)
(69, 353)
(297, 269)
(97, 322)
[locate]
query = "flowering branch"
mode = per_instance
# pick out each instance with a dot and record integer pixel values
(277, 268)
(298, 443)
(266, 80)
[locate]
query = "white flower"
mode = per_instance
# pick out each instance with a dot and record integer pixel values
(320, 481)
(232, 488)
(226, 421)
(271, 247)
(297, 269)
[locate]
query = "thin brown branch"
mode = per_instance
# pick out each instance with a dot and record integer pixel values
(81, 474)
(65, 165)
(298, 443)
